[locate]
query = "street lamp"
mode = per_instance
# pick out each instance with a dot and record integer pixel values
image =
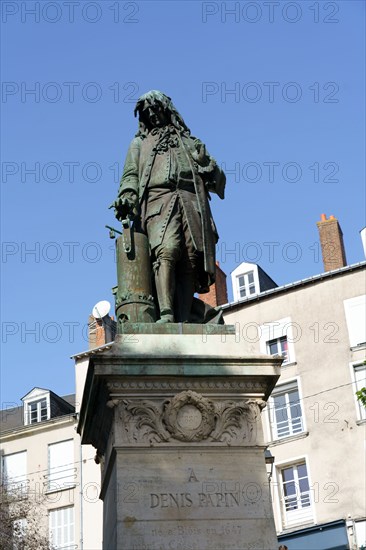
(269, 458)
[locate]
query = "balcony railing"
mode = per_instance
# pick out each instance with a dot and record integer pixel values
(290, 426)
(297, 509)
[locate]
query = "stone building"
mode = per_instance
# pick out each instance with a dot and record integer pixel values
(42, 457)
(42, 460)
(314, 425)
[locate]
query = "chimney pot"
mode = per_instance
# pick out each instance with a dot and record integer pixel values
(323, 217)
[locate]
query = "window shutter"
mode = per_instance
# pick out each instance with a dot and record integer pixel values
(355, 309)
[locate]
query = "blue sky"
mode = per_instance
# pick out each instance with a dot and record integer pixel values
(274, 89)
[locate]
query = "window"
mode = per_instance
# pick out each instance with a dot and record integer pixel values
(61, 471)
(360, 528)
(14, 472)
(360, 382)
(296, 499)
(356, 319)
(278, 338)
(61, 528)
(278, 346)
(285, 411)
(246, 284)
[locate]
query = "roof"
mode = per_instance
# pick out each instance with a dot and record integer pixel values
(92, 351)
(13, 418)
(296, 285)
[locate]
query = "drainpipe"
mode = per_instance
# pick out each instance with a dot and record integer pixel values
(81, 499)
(351, 532)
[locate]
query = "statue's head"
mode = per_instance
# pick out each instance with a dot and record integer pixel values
(156, 110)
(153, 109)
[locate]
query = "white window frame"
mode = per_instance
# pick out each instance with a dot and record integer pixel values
(61, 475)
(360, 528)
(285, 388)
(274, 330)
(286, 520)
(354, 309)
(247, 286)
(15, 484)
(357, 383)
(278, 341)
(36, 397)
(241, 270)
(60, 525)
(39, 410)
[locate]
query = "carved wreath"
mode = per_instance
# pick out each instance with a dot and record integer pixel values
(205, 409)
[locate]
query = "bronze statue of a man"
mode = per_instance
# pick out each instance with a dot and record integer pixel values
(166, 181)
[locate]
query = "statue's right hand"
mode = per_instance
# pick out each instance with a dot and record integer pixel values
(123, 206)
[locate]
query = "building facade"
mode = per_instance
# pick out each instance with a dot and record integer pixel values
(314, 425)
(43, 462)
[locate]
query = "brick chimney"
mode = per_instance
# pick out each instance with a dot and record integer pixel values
(101, 331)
(217, 294)
(331, 242)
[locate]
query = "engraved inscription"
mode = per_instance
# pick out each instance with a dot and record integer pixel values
(210, 494)
(192, 475)
(200, 500)
(171, 500)
(187, 536)
(213, 513)
(189, 417)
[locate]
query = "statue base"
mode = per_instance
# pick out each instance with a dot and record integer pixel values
(175, 417)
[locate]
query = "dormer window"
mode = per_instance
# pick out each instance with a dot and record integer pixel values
(249, 279)
(37, 406)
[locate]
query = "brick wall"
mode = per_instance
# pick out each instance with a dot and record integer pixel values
(218, 291)
(331, 243)
(101, 331)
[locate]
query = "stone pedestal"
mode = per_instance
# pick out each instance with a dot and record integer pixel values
(175, 417)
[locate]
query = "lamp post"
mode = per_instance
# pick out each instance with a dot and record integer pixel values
(269, 459)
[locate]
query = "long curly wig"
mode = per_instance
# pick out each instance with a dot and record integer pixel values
(154, 97)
